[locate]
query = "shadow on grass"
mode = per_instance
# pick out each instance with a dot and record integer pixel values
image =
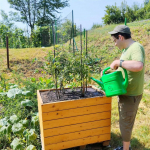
(116, 141)
(29, 68)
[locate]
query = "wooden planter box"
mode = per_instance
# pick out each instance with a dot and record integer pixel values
(72, 123)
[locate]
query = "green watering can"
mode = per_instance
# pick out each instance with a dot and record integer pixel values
(113, 83)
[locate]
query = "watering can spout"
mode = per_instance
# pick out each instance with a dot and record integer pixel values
(98, 82)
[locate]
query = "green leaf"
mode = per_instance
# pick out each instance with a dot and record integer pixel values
(31, 147)
(13, 86)
(31, 135)
(33, 60)
(5, 126)
(13, 119)
(25, 123)
(16, 144)
(35, 120)
(3, 130)
(17, 128)
(35, 114)
(36, 71)
(25, 92)
(27, 102)
(13, 92)
(9, 128)
(3, 122)
(25, 132)
(3, 93)
(6, 129)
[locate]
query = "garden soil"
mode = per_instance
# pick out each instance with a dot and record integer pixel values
(68, 94)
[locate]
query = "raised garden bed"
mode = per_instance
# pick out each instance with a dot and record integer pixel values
(72, 120)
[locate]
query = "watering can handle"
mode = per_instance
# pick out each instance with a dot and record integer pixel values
(105, 70)
(125, 83)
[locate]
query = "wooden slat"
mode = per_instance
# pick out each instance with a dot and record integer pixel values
(75, 120)
(77, 127)
(76, 112)
(75, 103)
(98, 90)
(78, 142)
(39, 97)
(40, 117)
(76, 135)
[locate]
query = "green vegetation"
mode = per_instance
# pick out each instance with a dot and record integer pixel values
(36, 12)
(96, 26)
(41, 36)
(30, 71)
(115, 14)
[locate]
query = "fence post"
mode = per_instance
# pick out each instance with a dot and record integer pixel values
(7, 48)
(86, 54)
(84, 38)
(81, 56)
(73, 32)
(54, 40)
(55, 32)
(125, 22)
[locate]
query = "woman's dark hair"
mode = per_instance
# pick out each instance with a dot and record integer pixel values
(125, 35)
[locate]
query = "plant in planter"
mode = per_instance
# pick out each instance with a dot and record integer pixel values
(74, 116)
(67, 69)
(70, 123)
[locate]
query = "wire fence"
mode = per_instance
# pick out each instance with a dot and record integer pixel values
(63, 34)
(41, 36)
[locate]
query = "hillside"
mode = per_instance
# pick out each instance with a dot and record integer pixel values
(100, 45)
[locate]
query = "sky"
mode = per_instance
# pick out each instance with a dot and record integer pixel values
(86, 12)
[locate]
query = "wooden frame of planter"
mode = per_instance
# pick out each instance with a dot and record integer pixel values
(72, 123)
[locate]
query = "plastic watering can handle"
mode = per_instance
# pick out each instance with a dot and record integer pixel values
(105, 70)
(125, 83)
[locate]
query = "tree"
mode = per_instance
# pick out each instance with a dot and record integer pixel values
(146, 2)
(6, 20)
(64, 31)
(40, 12)
(147, 10)
(116, 14)
(113, 15)
(123, 9)
(135, 7)
(130, 15)
(140, 14)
